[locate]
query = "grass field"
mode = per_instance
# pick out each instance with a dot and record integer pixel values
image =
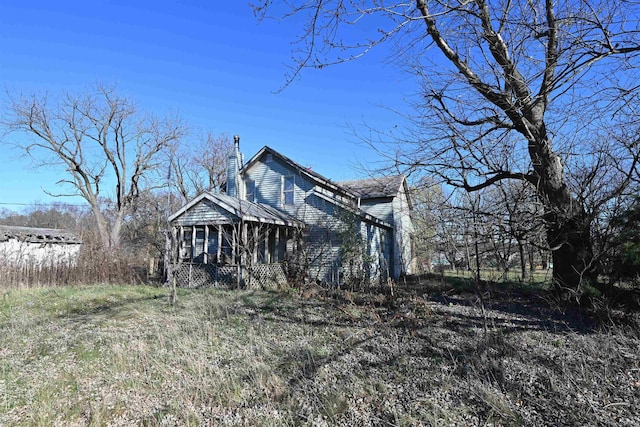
(122, 355)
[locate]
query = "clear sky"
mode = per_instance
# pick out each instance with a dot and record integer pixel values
(210, 61)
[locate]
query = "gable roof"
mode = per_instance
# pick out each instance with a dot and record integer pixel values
(371, 188)
(38, 235)
(243, 209)
(312, 175)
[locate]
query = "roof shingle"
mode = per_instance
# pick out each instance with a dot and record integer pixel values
(372, 188)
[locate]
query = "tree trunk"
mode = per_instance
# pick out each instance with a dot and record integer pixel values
(571, 253)
(567, 224)
(523, 261)
(103, 229)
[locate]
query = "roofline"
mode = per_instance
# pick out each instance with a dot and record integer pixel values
(368, 217)
(316, 177)
(188, 206)
(49, 235)
(218, 201)
(403, 184)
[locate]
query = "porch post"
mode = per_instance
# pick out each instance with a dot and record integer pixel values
(218, 249)
(206, 245)
(243, 244)
(234, 243)
(180, 242)
(193, 243)
(254, 248)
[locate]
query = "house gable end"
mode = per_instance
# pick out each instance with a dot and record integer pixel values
(202, 210)
(297, 170)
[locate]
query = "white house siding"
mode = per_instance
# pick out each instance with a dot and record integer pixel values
(395, 211)
(16, 252)
(319, 248)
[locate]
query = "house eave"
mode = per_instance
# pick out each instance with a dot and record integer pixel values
(367, 217)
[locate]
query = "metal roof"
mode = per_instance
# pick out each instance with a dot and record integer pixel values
(38, 235)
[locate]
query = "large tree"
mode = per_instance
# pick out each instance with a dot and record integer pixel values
(201, 165)
(104, 149)
(530, 90)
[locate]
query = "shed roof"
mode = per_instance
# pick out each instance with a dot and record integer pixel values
(38, 235)
(372, 188)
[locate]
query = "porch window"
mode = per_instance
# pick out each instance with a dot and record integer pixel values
(198, 250)
(212, 244)
(250, 190)
(185, 253)
(287, 190)
(226, 248)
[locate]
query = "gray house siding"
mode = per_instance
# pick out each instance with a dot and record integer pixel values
(403, 229)
(322, 224)
(380, 208)
(324, 231)
(268, 178)
(205, 212)
(318, 207)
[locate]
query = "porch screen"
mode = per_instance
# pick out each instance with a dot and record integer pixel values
(199, 244)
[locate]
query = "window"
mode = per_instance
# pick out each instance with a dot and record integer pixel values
(212, 244)
(198, 250)
(287, 190)
(268, 158)
(185, 253)
(250, 190)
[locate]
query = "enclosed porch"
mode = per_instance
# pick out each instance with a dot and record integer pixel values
(225, 242)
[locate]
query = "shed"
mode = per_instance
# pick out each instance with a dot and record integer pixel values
(38, 246)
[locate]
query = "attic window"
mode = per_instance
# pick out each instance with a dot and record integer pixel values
(287, 190)
(250, 190)
(268, 158)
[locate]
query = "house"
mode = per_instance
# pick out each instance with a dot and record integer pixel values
(278, 220)
(37, 247)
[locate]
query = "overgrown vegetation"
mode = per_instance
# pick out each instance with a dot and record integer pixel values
(428, 355)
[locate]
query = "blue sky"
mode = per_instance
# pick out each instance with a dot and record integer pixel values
(210, 61)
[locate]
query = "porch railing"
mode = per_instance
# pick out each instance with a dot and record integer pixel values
(259, 276)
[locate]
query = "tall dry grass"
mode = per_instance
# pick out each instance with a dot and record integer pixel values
(122, 355)
(91, 267)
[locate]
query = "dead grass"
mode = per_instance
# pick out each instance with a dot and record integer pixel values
(118, 355)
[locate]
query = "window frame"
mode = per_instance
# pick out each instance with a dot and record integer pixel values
(286, 193)
(250, 196)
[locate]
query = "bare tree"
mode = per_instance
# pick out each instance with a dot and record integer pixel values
(201, 165)
(109, 151)
(429, 204)
(509, 89)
